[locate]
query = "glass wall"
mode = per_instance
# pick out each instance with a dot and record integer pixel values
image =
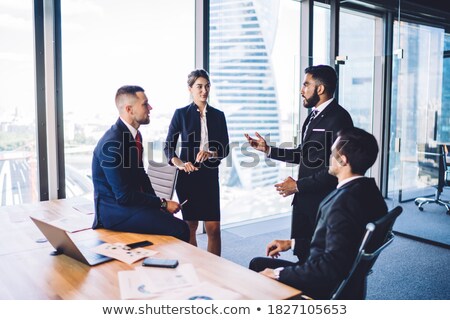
(417, 104)
(361, 42)
(18, 162)
(110, 43)
(321, 34)
(360, 75)
(443, 127)
(254, 66)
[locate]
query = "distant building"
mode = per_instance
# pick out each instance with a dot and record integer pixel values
(241, 41)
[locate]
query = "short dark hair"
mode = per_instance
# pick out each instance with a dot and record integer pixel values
(360, 148)
(127, 90)
(325, 75)
(194, 75)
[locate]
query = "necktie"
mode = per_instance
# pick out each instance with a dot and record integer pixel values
(139, 147)
(311, 118)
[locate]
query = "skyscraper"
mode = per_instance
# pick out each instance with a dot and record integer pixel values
(241, 40)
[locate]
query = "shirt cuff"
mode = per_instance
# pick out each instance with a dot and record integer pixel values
(213, 154)
(276, 272)
(292, 244)
(268, 151)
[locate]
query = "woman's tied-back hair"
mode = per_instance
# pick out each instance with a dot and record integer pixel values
(194, 75)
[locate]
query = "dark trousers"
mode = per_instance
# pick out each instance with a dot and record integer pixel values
(154, 221)
(260, 263)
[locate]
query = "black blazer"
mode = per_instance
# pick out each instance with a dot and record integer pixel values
(186, 122)
(314, 183)
(341, 223)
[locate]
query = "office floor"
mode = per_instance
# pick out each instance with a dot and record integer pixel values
(432, 223)
(408, 269)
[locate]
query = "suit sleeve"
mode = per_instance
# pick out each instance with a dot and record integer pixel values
(323, 272)
(223, 148)
(321, 181)
(172, 137)
(111, 161)
(286, 154)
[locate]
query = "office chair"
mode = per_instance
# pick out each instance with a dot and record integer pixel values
(163, 178)
(434, 159)
(377, 237)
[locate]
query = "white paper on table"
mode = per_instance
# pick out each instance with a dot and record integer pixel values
(86, 208)
(202, 291)
(141, 284)
(134, 285)
(167, 279)
(73, 223)
(121, 252)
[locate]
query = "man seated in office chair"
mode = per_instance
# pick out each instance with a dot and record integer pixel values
(340, 224)
(124, 197)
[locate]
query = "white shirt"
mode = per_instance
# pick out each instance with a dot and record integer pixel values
(321, 107)
(345, 181)
(318, 109)
(132, 129)
(204, 145)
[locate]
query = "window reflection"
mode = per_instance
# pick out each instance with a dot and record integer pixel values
(110, 43)
(417, 101)
(254, 54)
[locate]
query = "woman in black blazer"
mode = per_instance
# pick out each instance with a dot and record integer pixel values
(204, 143)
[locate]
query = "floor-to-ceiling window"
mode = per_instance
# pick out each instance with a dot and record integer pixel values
(443, 123)
(110, 43)
(416, 100)
(419, 121)
(360, 41)
(321, 34)
(18, 162)
(360, 66)
(254, 66)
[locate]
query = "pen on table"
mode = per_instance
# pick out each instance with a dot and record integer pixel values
(181, 204)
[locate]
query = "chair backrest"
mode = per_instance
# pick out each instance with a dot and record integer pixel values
(445, 157)
(163, 178)
(377, 237)
(433, 164)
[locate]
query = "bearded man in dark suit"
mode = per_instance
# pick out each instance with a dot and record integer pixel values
(318, 134)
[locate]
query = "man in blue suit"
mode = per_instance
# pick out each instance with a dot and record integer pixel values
(123, 194)
(340, 224)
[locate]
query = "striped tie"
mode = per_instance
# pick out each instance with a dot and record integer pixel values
(311, 118)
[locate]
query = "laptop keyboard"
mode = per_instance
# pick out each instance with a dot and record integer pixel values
(90, 255)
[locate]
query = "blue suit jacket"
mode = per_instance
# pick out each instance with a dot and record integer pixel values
(186, 122)
(121, 186)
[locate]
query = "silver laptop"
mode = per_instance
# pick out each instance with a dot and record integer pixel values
(63, 244)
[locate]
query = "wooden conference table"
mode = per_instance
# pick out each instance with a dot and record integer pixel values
(28, 271)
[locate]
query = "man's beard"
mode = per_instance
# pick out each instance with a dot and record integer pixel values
(145, 120)
(311, 102)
